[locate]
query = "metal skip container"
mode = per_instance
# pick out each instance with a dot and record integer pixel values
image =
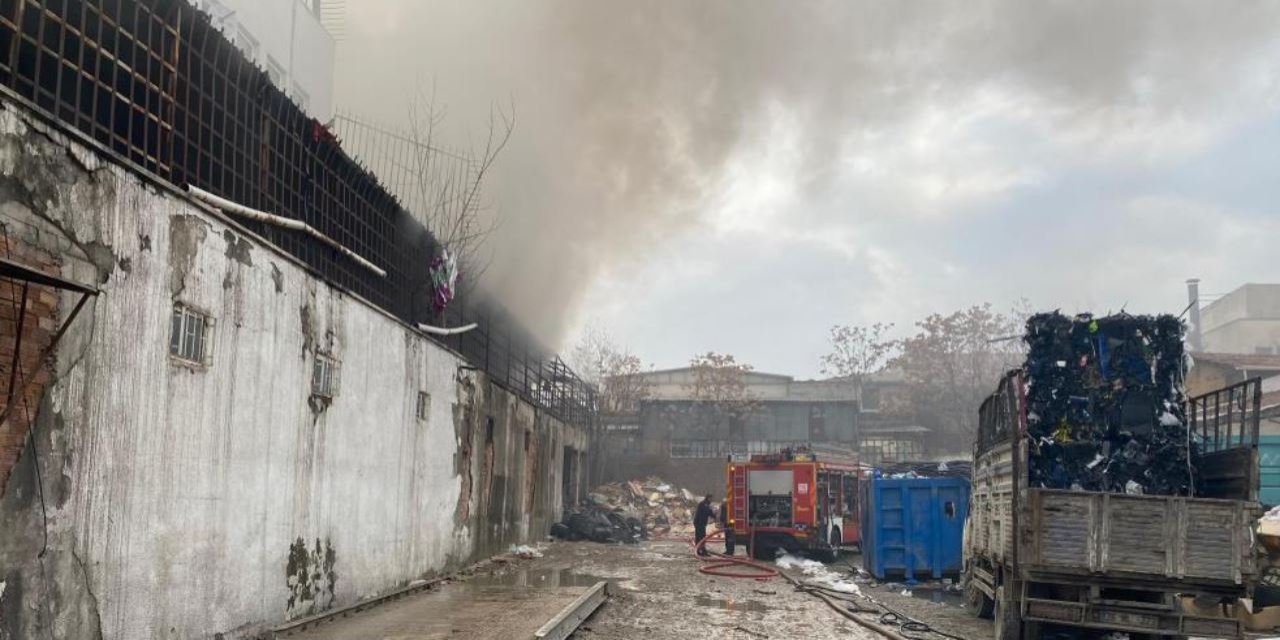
(914, 527)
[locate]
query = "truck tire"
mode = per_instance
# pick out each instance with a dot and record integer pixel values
(978, 602)
(1008, 618)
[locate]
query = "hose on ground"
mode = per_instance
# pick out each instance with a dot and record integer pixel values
(719, 564)
(889, 620)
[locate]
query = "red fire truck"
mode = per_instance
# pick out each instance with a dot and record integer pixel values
(798, 500)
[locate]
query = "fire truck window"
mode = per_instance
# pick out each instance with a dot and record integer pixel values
(949, 508)
(850, 494)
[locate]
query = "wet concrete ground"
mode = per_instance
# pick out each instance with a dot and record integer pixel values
(657, 594)
(661, 595)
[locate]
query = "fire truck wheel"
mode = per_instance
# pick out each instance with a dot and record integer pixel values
(764, 552)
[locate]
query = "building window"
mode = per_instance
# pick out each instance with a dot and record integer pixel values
(302, 98)
(190, 338)
(870, 399)
(324, 377)
(275, 73)
(240, 36)
(424, 405)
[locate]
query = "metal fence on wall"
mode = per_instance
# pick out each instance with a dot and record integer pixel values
(155, 82)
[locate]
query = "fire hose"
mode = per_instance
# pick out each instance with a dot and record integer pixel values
(719, 564)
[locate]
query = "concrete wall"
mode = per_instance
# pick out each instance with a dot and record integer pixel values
(1244, 336)
(189, 501)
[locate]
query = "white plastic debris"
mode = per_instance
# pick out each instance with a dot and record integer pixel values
(524, 551)
(1096, 459)
(818, 573)
(942, 467)
(1133, 488)
(1169, 420)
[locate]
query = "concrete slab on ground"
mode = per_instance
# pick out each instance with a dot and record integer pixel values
(457, 611)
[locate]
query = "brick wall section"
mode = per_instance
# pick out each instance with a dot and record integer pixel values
(38, 329)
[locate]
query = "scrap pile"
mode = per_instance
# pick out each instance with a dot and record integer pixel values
(630, 512)
(1104, 404)
(946, 469)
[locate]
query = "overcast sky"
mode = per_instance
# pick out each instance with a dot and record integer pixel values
(740, 175)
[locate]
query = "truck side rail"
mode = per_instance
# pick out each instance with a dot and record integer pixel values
(1225, 425)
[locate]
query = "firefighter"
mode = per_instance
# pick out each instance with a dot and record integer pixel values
(700, 519)
(724, 526)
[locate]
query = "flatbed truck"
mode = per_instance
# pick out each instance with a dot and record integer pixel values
(1108, 561)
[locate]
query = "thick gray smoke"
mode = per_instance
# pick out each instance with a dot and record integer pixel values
(628, 112)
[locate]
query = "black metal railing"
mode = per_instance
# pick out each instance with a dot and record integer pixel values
(1227, 418)
(158, 84)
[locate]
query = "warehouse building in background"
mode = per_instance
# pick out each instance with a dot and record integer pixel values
(675, 434)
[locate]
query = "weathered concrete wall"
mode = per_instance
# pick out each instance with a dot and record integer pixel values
(175, 500)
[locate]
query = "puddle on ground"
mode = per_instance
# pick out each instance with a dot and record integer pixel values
(731, 605)
(940, 596)
(545, 578)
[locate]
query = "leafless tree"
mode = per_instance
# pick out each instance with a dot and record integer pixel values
(859, 351)
(448, 186)
(719, 388)
(954, 361)
(617, 373)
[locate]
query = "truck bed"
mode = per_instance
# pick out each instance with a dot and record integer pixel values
(1157, 540)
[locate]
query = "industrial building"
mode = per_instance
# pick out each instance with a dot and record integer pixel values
(230, 401)
(674, 434)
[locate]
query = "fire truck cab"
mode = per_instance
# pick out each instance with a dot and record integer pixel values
(798, 501)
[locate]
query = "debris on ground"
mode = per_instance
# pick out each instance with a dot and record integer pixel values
(524, 552)
(630, 512)
(817, 573)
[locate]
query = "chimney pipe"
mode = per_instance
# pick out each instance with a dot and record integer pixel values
(1194, 336)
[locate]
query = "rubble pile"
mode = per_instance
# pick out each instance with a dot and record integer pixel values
(1104, 404)
(629, 512)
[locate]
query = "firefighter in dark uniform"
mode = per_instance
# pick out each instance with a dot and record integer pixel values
(703, 515)
(724, 526)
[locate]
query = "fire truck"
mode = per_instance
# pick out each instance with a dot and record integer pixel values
(798, 500)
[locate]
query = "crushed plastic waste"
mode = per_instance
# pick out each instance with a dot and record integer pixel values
(629, 512)
(1104, 404)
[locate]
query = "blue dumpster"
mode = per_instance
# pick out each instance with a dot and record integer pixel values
(913, 527)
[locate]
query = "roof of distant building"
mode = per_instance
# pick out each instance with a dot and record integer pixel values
(909, 428)
(1239, 360)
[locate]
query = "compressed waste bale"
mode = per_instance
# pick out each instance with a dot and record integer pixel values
(1104, 402)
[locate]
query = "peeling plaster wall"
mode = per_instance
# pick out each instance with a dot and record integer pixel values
(188, 501)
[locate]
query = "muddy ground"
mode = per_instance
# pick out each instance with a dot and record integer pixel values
(659, 594)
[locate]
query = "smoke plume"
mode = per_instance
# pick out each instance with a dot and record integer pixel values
(629, 112)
